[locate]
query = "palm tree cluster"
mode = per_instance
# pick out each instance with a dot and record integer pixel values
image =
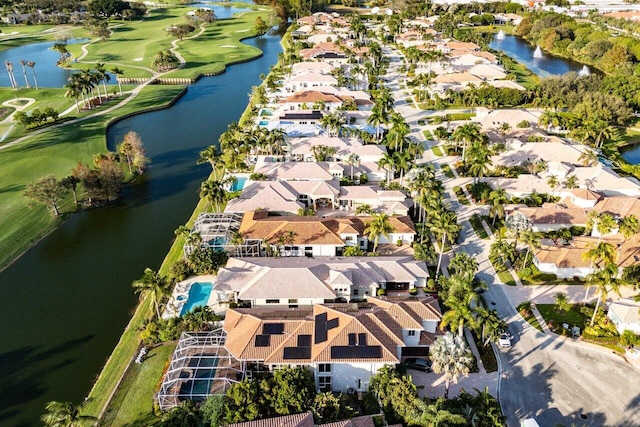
(465, 307)
(86, 83)
(24, 63)
(237, 143)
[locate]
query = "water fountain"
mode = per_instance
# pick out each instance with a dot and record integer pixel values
(585, 71)
(538, 52)
(500, 35)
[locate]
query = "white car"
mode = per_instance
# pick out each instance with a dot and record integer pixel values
(504, 340)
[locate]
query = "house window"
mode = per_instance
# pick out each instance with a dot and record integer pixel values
(293, 300)
(412, 333)
(273, 301)
(356, 291)
(324, 367)
(348, 238)
(324, 383)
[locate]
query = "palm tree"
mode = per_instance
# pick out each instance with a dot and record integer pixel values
(333, 122)
(605, 281)
(464, 265)
(602, 253)
(629, 226)
(605, 223)
(364, 209)
(588, 157)
(451, 357)
(401, 161)
(353, 160)
(210, 155)
(24, 72)
(214, 193)
(380, 225)
(104, 77)
(491, 324)
(467, 133)
(119, 73)
(12, 77)
(153, 283)
(237, 240)
(387, 162)
(458, 315)
(552, 181)
(73, 91)
(571, 182)
(65, 414)
(434, 414)
(479, 160)
(561, 303)
(444, 225)
(497, 200)
(377, 118)
(32, 65)
(532, 240)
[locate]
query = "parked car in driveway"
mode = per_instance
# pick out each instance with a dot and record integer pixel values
(423, 365)
(504, 340)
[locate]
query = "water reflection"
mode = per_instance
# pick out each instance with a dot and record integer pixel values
(544, 66)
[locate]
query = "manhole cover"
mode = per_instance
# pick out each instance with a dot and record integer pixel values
(583, 416)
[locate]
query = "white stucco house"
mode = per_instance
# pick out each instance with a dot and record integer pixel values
(625, 313)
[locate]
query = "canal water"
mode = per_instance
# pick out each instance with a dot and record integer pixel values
(545, 66)
(67, 300)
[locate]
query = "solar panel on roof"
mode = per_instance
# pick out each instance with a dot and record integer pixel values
(352, 339)
(262, 340)
(356, 352)
(304, 340)
(296, 353)
(333, 323)
(362, 339)
(320, 330)
(272, 328)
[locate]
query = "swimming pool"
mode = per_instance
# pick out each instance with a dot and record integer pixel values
(198, 296)
(238, 184)
(263, 123)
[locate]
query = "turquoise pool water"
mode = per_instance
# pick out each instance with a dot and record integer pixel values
(263, 123)
(239, 183)
(198, 296)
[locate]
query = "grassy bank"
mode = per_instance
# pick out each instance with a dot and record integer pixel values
(55, 151)
(205, 53)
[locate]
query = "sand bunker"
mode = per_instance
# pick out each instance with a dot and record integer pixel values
(228, 45)
(138, 59)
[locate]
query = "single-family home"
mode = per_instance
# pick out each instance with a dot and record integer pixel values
(625, 314)
(343, 345)
(302, 281)
(316, 236)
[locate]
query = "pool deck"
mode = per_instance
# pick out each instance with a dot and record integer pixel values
(174, 306)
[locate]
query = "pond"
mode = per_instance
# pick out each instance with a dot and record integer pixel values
(66, 301)
(542, 64)
(45, 58)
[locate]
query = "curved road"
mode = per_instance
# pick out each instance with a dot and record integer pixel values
(554, 379)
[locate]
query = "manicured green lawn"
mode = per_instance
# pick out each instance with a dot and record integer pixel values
(531, 319)
(446, 170)
(133, 45)
(486, 354)
(572, 317)
(437, 151)
(427, 135)
(462, 199)
(134, 400)
(55, 151)
(476, 223)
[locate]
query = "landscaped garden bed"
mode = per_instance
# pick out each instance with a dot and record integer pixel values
(446, 170)
(476, 223)
(462, 199)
